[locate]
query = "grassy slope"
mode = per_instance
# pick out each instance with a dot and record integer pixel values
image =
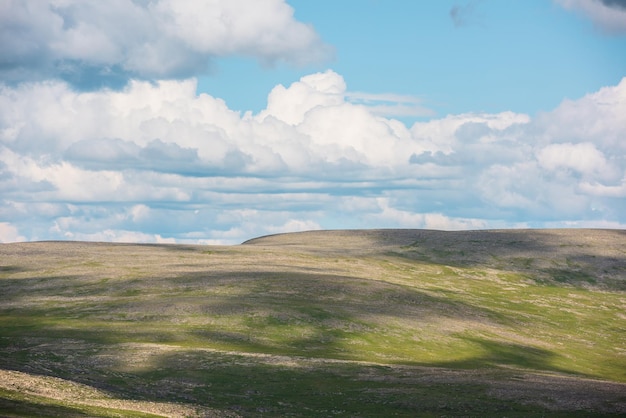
(367, 323)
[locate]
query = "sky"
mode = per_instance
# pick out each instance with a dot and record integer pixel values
(216, 121)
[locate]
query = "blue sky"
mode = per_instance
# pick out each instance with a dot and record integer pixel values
(218, 121)
(523, 56)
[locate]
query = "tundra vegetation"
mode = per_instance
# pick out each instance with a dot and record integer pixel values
(324, 323)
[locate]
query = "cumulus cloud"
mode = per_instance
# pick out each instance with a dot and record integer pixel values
(9, 233)
(93, 44)
(157, 162)
(118, 236)
(608, 15)
(316, 90)
(583, 158)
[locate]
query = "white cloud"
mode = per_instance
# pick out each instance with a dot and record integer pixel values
(448, 134)
(161, 161)
(389, 216)
(118, 236)
(294, 225)
(598, 224)
(598, 189)
(597, 117)
(316, 90)
(9, 233)
(583, 158)
(93, 43)
(515, 187)
(608, 15)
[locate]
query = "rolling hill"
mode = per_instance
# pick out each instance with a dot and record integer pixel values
(321, 323)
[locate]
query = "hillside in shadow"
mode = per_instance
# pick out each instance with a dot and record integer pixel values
(588, 257)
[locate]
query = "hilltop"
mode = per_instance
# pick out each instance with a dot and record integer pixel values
(594, 257)
(319, 323)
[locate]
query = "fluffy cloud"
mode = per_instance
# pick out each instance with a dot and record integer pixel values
(157, 162)
(94, 43)
(9, 233)
(608, 15)
(584, 159)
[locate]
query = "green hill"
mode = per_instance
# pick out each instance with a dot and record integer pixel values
(322, 323)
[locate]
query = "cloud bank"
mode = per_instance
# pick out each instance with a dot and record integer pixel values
(157, 162)
(91, 44)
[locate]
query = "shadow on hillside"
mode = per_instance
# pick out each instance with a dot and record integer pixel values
(497, 353)
(589, 258)
(330, 302)
(578, 257)
(251, 385)
(262, 385)
(274, 313)
(11, 269)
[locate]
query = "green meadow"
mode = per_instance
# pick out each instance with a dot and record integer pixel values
(375, 323)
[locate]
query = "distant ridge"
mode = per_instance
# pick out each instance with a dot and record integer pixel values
(406, 236)
(611, 239)
(596, 256)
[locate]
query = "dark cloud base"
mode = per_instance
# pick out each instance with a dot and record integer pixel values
(620, 4)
